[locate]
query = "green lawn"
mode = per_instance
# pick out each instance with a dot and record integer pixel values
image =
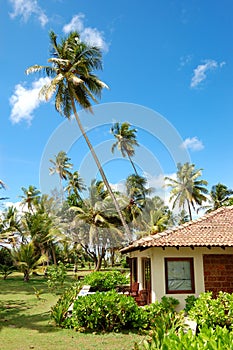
(25, 321)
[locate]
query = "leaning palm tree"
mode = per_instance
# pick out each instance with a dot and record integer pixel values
(2, 186)
(186, 189)
(73, 82)
(125, 141)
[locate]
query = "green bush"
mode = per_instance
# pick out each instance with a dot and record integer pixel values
(106, 312)
(105, 281)
(207, 339)
(60, 310)
(56, 275)
(189, 303)
(211, 311)
(163, 313)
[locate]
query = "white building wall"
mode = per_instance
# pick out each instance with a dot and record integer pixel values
(157, 256)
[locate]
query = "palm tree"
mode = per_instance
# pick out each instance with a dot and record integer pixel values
(75, 184)
(30, 196)
(26, 259)
(73, 82)
(125, 141)
(2, 186)
(94, 222)
(61, 167)
(186, 189)
(220, 195)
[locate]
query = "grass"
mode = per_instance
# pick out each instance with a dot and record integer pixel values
(25, 321)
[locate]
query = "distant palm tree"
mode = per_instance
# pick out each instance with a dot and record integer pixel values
(61, 166)
(73, 82)
(95, 222)
(186, 189)
(126, 141)
(220, 195)
(2, 186)
(30, 196)
(75, 184)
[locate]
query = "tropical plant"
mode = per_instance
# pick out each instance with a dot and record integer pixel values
(27, 260)
(220, 195)
(75, 184)
(61, 166)
(187, 189)
(94, 221)
(73, 82)
(2, 186)
(125, 141)
(29, 197)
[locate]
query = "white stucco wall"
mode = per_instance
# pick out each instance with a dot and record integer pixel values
(157, 256)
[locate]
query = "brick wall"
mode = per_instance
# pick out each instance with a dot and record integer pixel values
(218, 272)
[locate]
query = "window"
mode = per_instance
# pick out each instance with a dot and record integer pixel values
(134, 269)
(179, 275)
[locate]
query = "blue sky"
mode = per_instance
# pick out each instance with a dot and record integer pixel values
(171, 57)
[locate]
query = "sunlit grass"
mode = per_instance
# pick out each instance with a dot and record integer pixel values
(25, 320)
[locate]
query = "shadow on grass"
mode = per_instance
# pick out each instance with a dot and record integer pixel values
(13, 315)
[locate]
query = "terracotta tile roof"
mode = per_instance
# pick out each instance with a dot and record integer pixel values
(211, 230)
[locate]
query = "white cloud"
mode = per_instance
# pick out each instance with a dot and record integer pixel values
(27, 8)
(89, 35)
(25, 101)
(193, 144)
(199, 73)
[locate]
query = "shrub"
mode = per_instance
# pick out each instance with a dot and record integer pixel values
(56, 275)
(207, 339)
(189, 303)
(163, 313)
(105, 281)
(59, 311)
(106, 312)
(211, 311)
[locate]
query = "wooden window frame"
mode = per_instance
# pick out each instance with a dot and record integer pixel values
(180, 291)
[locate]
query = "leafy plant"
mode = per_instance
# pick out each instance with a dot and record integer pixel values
(105, 281)
(56, 275)
(210, 311)
(60, 310)
(190, 301)
(207, 339)
(6, 270)
(107, 312)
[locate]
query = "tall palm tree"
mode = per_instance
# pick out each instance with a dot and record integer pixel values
(30, 196)
(61, 166)
(73, 82)
(187, 189)
(125, 141)
(94, 222)
(75, 184)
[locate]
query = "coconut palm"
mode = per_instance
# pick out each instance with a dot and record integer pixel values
(61, 166)
(220, 195)
(95, 223)
(73, 82)
(2, 186)
(187, 189)
(75, 184)
(125, 141)
(29, 197)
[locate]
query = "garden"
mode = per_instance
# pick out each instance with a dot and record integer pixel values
(38, 315)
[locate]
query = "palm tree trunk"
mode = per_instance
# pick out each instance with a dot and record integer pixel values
(127, 230)
(189, 209)
(132, 163)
